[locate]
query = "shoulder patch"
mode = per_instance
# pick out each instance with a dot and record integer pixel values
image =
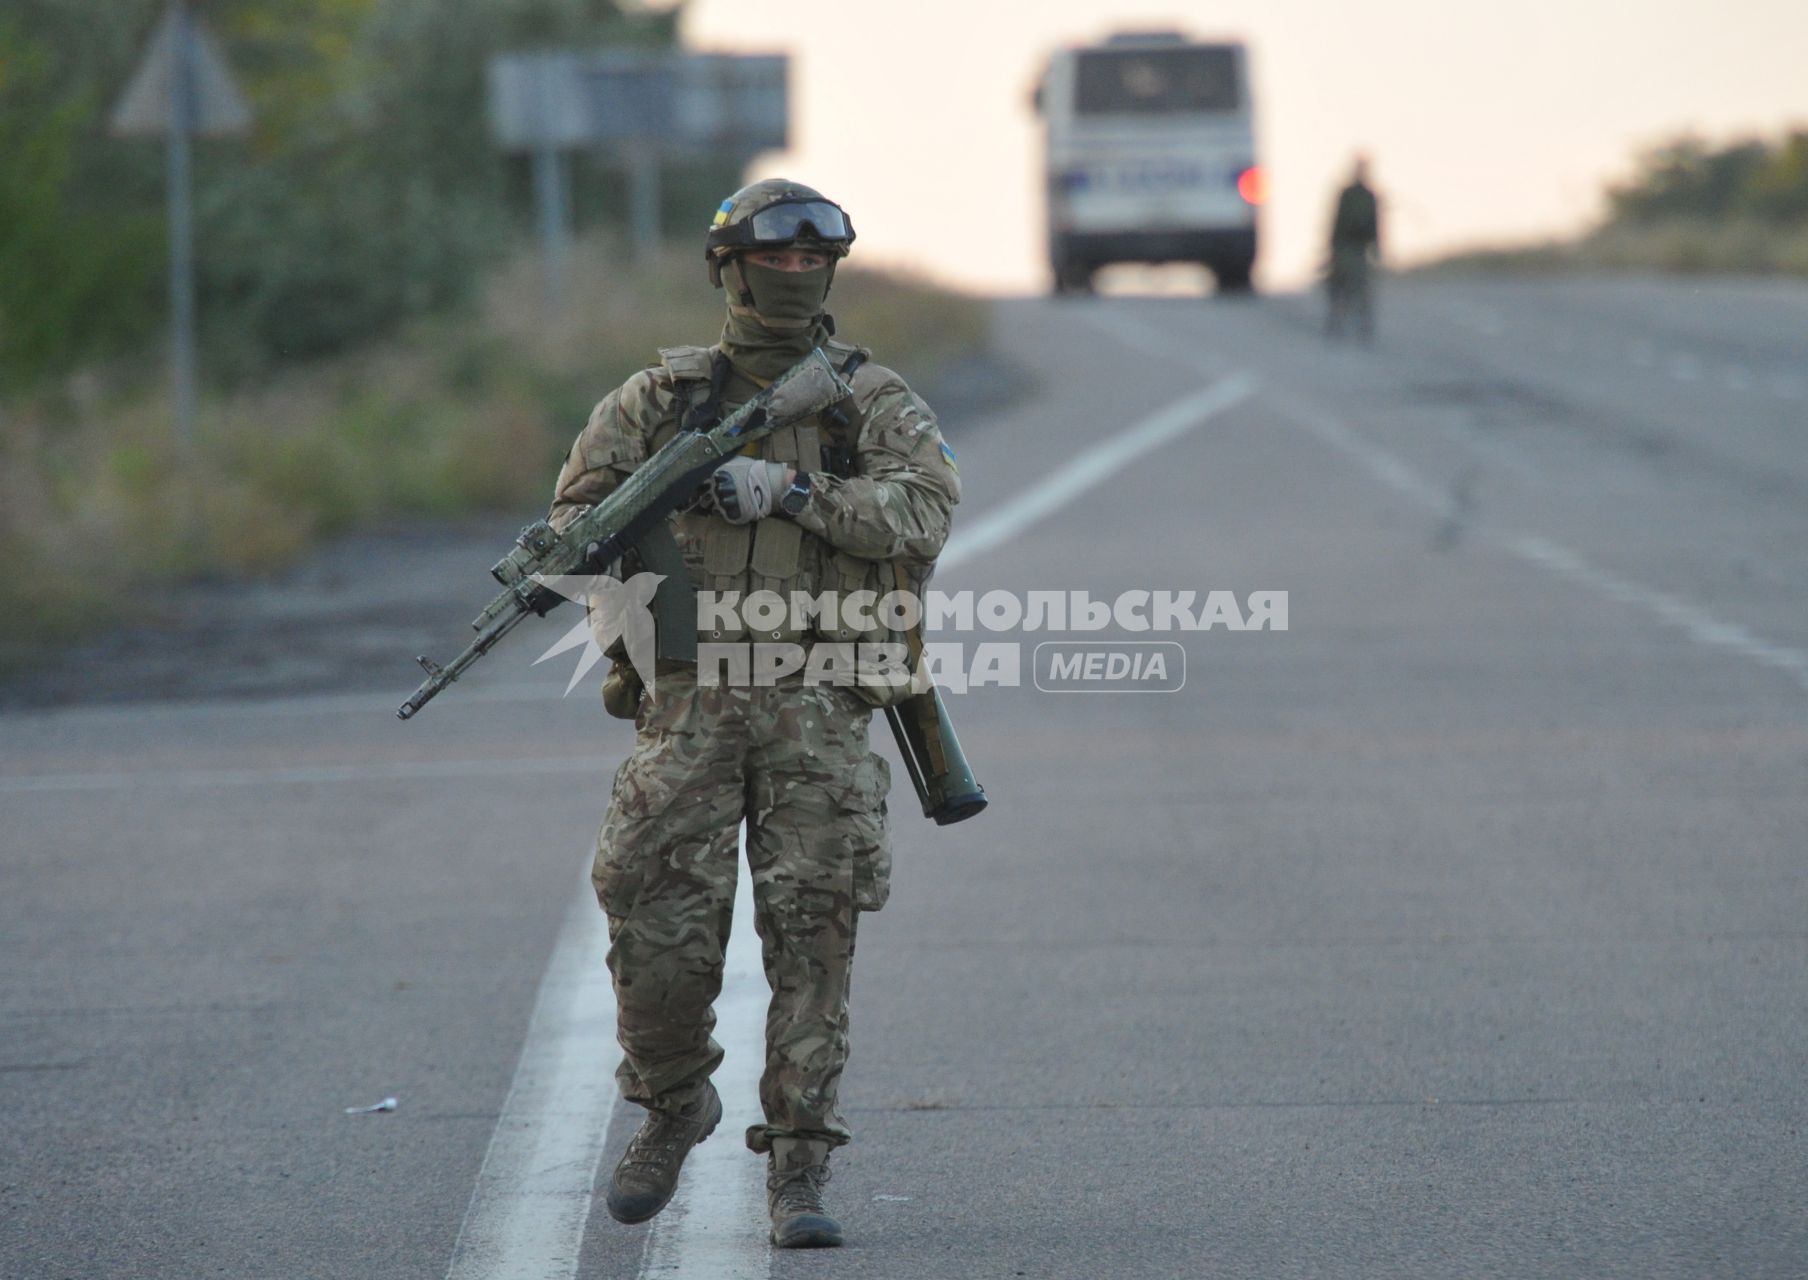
(948, 457)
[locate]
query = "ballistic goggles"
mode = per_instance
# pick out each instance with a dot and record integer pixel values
(784, 223)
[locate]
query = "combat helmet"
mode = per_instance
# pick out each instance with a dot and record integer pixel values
(776, 212)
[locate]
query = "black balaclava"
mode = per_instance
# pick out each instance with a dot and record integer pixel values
(781, 324)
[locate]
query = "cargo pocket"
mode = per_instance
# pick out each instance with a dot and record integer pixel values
(777, 548)
(883, 656)
(614, 871)
(844, 575)
(725, 553)
(635, 826)
(869, 829)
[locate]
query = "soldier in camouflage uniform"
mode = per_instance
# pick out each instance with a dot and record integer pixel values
(1355, 245)
(859, 499)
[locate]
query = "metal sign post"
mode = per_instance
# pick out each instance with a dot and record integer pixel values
(553, 209)
(630, 101)
(643, 196)
(182, 89)
(182, 226)
(531, 112)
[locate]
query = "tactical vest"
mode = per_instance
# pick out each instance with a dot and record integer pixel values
(701, 551)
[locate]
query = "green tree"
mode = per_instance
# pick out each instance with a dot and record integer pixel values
(1778, 190)
(76, 281)
(1688, 179)
(369, 192)
(382, 195)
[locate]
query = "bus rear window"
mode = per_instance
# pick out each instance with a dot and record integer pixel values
(1157, 81)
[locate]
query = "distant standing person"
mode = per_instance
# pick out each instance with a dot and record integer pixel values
(1355, 250)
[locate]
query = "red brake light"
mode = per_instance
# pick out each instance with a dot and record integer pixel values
(1252, 185)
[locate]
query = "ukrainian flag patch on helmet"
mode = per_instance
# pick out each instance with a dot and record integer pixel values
(723, 212)
(948, 457)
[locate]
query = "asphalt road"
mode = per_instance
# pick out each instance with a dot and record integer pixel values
(1460, 929)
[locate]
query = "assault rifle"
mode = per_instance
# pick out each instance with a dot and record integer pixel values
(633, 516)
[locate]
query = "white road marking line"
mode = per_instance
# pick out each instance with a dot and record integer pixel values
(1088, 467)
(1386, 468)
(1378, 462)
(1134, 334)
(715, 1228)
(527, 1214)
(1460, 426)
(281, 775)
(1697, 624)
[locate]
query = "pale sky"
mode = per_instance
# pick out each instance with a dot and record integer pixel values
(1487, 120)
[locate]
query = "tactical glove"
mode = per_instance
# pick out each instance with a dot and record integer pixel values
(747, 488)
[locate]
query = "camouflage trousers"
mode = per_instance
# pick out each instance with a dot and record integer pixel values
(792, 761)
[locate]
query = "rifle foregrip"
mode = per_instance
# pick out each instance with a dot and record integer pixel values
(660, 485)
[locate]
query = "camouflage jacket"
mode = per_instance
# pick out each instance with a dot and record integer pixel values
(857, 532)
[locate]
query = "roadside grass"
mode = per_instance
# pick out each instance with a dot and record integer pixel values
(1682, 246)
(100, 510)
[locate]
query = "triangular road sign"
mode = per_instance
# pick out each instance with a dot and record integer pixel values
(220, 109)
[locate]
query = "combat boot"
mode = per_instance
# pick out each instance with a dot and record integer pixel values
(794, 1197)
(643, 1182)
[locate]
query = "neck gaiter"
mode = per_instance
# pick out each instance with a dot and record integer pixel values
(793, 301)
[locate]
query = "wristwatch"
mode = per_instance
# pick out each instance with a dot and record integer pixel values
(797, 497)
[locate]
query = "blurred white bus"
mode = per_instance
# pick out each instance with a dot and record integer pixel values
(1151, 157)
